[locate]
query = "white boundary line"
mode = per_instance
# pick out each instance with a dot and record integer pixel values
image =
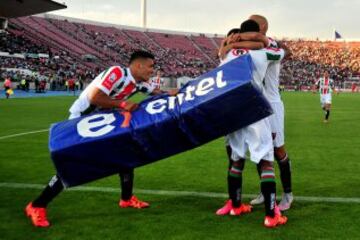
(21, 134)
(178, 193)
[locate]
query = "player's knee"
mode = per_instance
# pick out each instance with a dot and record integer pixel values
(280, 153)
(237, 167)
(264, 164)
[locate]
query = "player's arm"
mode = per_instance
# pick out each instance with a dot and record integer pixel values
(171, 92)
(316, 85)
(286, 49)
(249, 36)
(236, 45)
(100, 99)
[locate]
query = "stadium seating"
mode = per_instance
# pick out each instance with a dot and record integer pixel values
(82, 50)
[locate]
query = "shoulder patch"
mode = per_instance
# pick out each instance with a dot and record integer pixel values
(111, 77)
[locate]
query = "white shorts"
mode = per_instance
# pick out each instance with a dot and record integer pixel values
(277, 123)
(255, 138)
(226, 140)
(325, 99)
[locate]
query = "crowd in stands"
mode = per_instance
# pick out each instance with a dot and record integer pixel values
(59, 50)
(310, 58)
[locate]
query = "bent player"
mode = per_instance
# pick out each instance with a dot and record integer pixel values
(110, 89)
(255, 138)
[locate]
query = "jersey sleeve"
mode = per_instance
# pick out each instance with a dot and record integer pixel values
(109, 78)
(275, 54)
(145, 87)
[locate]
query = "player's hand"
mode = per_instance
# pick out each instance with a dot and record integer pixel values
(128, 106)
(173, 92)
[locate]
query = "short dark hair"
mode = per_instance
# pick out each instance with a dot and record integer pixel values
(140, 54)
(249, 26)
(233, 31)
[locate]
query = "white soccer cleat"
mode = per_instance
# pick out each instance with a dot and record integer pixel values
(258, 200)
(286, 201)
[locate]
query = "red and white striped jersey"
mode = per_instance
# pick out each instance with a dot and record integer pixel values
(325, 85)
(156, 82)
(116, 82)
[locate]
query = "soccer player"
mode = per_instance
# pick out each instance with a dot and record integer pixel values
(110, 89)
(255, 138)
(276, 121)
(271, 91)
(246, 40)
(7, 87)
(325, 85)
(156, 81)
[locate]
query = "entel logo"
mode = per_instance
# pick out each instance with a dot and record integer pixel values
(202, 88)
(101, 124)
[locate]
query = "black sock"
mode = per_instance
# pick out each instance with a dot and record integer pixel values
(268, 190)
(285, 173)
(234, 189)
(235, 182)
(53, 189)
(228, 153)
(327, 114)
(258, 168)
(126, 183)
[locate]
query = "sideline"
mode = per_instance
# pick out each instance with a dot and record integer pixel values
(22, 134)
(178, 193)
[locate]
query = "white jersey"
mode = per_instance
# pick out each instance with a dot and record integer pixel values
(261, 60)
(255, 138)
(272, 80)
(116, 82)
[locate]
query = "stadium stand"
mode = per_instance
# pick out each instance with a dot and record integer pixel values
(61, 49)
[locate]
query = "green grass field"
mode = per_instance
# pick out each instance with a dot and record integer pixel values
(325, 163)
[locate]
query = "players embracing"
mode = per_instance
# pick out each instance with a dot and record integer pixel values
(264, 139)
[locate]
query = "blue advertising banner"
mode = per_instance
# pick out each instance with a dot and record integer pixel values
(100, 144)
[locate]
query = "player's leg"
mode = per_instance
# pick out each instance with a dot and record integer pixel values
(36, 210)
(261, 151)
(6, 92)
(273, 216)
(284, 164)
(233, 205)
(259, 199)
(127, 197)
(327, 110)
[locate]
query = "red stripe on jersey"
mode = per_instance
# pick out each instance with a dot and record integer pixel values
(273, 49)
(111, 78)
(127, 91)
(326, 86)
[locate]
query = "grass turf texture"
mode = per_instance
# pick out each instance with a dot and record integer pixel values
(324, 161)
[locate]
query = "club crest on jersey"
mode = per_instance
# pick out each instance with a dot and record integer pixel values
(239, 52)
(112, 77)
